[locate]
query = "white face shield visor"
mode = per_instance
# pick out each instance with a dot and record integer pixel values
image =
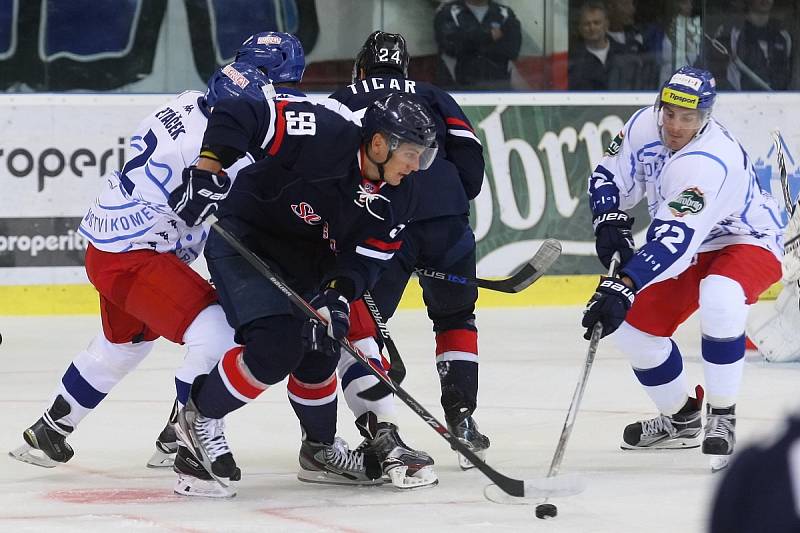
(413, 154)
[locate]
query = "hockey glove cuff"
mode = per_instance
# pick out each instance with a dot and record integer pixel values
(335, 309)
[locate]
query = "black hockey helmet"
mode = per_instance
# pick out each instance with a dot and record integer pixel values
(382, 50)
(402, 119)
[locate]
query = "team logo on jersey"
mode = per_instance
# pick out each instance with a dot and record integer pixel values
(615, 144)
(306, 212)
(690, 201)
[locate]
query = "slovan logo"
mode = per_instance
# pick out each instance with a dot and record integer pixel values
(690, 201)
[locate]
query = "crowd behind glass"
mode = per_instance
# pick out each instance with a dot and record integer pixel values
(467, 45)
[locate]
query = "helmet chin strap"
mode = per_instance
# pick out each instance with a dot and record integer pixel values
(380, 165)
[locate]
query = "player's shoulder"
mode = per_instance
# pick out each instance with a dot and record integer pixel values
(641, 129)
(716, 147)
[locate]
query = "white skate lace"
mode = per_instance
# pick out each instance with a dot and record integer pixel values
(211, 432)
(365, 198)
(719, 426)
(657, 425)
(340, 456)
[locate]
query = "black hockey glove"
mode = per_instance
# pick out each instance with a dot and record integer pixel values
(199, 195)
(608, 306)
(612, 231)
(316, 340)
(335, 309)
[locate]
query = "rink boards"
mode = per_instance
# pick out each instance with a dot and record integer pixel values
(539, 147)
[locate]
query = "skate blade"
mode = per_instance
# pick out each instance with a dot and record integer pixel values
(718, 462)
(161, 459)
(201, 488)
(672, 444)
(185, 436)
(423, 478)
(548, 487)
(28, 454)
(331, 478)
(466, 464)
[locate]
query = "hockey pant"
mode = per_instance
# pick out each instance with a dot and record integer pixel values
(144, 295)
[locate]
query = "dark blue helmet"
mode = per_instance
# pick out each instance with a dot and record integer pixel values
(237, 79)
(382, 51)
(279, 55)
(401, 119)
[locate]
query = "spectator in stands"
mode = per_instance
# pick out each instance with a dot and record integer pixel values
(759, 51)
(598, 62)
(477, 41)
(621, 28)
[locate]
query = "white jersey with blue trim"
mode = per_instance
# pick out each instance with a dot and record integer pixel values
(702, 197)
(131, 211)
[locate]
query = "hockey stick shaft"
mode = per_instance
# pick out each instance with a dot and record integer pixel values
(755, 78)
(580, 387)
(777, 139)
(397, 371)
(511, 486)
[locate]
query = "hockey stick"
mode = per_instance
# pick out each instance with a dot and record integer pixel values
(787, 195)
(515, 487)
(397, 371)
(719, 47)
(577, 396)
(543, 259)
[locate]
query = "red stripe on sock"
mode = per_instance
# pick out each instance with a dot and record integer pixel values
(312, 391)
(457, 340)
(232, 365)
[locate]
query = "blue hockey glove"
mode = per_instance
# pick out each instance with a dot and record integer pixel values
(613, 233)
(335, 309)
(199, 195)
(608, 306)
(316, 340)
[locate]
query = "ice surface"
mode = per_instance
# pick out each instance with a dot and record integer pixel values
(530, 359)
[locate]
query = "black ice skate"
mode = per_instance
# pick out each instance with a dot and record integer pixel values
(337, 464)
(465, 429)
(720, 435)
(681, 430)
(166, 443)
(403, 466)
(46, 440)
(194, 480)
(205, 438)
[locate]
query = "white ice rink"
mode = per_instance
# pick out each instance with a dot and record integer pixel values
(530, 359)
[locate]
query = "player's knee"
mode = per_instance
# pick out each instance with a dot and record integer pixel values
(643, 350)
(272, 347)
(117, 360)
(723, 307)
(207, 338)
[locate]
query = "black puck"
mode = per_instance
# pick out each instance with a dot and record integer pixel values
(546, 510)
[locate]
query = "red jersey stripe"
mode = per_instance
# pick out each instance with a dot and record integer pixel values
(232, 366)
(458, 122)
(280, 128)
(384, 246)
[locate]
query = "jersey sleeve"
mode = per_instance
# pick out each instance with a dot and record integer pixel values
(241, 124)
(462, 146)
(698, 194)
(617, 182)
(368, 259)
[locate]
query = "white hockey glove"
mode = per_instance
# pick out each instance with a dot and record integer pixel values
(791, 248)
(199, 195)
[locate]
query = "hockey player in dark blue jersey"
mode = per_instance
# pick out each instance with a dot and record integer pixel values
(440, 238)
(326, 210)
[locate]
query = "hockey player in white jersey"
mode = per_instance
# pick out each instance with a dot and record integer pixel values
(143, 232)
(714, 243)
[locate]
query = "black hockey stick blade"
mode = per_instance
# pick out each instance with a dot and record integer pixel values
(543, 259)
(511, 486)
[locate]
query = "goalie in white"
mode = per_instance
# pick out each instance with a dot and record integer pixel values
(775, 335)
